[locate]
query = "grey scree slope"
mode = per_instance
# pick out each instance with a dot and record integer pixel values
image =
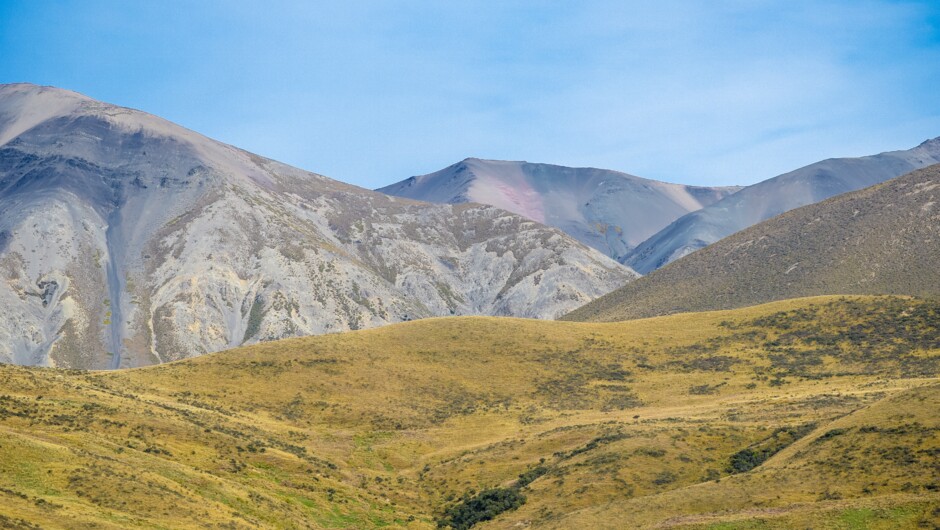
(127, 240)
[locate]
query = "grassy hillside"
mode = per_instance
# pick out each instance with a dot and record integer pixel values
(881, 240)
(820, 409)
(864, 470)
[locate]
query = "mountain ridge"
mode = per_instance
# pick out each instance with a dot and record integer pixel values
(774, 196)
(608, 210)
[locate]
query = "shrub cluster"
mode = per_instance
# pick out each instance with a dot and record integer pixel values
(482, 507)
(751, 457)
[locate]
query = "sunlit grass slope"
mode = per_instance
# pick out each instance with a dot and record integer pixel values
(869, 469)
(819, 410)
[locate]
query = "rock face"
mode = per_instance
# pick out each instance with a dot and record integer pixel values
(608, 210)
(771, 197)
(126, 240)
(884, 239)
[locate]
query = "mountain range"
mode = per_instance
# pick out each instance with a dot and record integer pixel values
(884, 239)
(646, 223)
(796, 387)
(127, 240)
(608, 210)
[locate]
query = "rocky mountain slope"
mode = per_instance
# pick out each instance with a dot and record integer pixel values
(608, 210)
(771, 197)
(803, 413)
(881, 240)
(126, 240)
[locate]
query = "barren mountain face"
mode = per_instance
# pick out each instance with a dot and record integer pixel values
(126, 240)
(773, 197)
(608, 210)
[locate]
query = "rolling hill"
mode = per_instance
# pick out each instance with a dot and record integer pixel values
(881, 240)
(127, 240)
(816, 411)
(772, 197)
(608, 210)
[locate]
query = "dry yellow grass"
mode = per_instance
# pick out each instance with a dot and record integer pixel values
(625, 424)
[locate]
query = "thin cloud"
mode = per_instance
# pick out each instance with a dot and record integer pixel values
(372, 92)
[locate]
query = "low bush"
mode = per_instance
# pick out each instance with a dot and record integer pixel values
(482, 507)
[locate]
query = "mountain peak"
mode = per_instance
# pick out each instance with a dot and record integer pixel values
(24, 106)
(83, 126)
(30, 89)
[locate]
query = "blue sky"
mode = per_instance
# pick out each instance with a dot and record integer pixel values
(371, 92)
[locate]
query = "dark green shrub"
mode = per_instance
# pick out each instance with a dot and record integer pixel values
(526, 478)
(751, 457)
(746, 460)
(831, 434)
(484, 506)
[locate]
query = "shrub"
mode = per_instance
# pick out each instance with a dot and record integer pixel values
(831, 434)
(484, 506)
(751, 457)
(526, 478)
(666, 477)
(746, 460)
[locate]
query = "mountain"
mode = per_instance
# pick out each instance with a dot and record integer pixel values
(608, 210)
(127, 240)
(771, 197)
(881, 240)
(817, 412)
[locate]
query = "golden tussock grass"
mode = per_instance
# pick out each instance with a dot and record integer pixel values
(632, 424)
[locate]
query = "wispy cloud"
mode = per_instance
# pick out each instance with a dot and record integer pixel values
(371, 92)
